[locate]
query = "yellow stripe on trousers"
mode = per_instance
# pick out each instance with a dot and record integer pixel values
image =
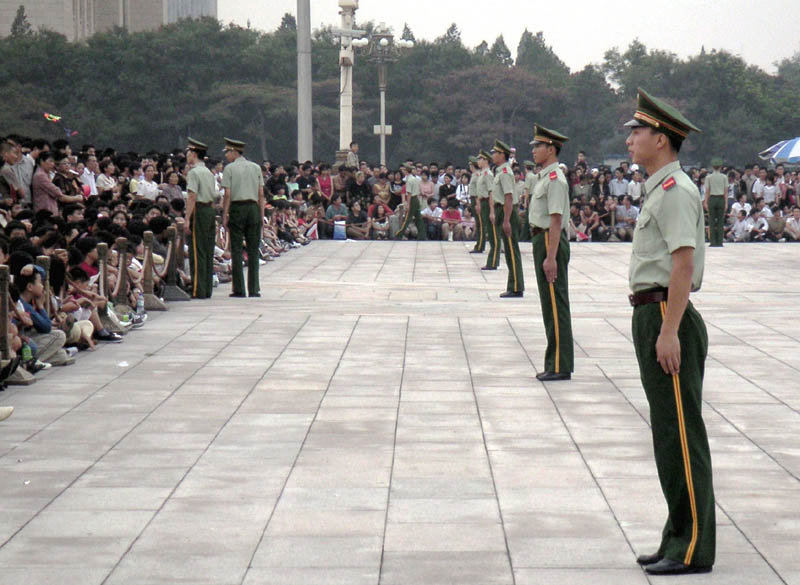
(495, 245)
(513, 263)
(553, 302)
(194, 249)
(687, 467)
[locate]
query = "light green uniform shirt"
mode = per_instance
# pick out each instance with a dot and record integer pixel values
(243, 178)
(671, 218)
(504, 184)
(485, 183)
(716, 184)
(412, 189)
(550, 196)
(200, 181)
(530, 182)
(473, 184)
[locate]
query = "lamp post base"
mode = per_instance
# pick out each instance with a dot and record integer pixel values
(341, 157)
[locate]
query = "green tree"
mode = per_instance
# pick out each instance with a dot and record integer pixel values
(536, 56)
(21, 27)
(288, 23)
(407, 34)
(451, 37)
(499, 53)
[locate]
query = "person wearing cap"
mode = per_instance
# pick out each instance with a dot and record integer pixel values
(488, 231)
(670, 336)
(715, 202)
(243, 215)
(473, 197)
(200, 224)
(412, 205)
(506, 219)
(548, 216)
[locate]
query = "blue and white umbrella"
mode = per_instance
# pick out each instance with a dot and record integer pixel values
(785, 151)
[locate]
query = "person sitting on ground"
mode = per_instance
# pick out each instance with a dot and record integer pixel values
(627, 215)
(740, 231)
(380, 222)
(451, 221)
(792, 230)
(48, 339)
(777, 227)
(590, 221)
(433, 219)
(358, 223)
(467, 225)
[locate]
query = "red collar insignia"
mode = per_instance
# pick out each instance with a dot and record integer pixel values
(553, 175)
(505, 170)
(669, 184)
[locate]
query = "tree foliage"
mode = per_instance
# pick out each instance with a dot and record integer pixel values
(151, 90)
(21, 27)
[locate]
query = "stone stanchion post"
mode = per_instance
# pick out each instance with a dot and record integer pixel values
(172, 292)
(151, 301)
(21, 377)
(121, 306)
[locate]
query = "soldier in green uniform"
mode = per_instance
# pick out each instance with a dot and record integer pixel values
(670, 336)
(412, 204)
(200, 219)
(525, 200)
(505, 218)
(485, 182)
(243, 215)
(715, 203)
(548, 216)
(476, 212)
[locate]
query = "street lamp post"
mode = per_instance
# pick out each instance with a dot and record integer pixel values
(383, 49)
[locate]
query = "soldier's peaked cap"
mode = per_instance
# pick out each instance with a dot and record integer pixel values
(658, 114)
(542, 135)
(234, 144)
(196, 144)
(501, 146)
(484, 154)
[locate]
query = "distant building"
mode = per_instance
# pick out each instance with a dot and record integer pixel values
(80, 19)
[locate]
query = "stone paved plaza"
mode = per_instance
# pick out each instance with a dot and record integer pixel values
(374, 419)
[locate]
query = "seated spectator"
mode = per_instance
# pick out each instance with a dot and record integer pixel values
(740, 231)
(627, 215)
(44, 192)
(759, 227)
(447, 190)
(358, 223)
(380, 222)
(792, 229)
(171, 189)
(49, 340)
(451, 221)
(432, 215)
(740, 205)
(590, 221)
(337, 211)
(777, 227)
(468, 224)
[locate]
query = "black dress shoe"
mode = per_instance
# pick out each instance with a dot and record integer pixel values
(255, 295)
(553, 377)
(475, 252)
(488, 268)
(511, 294)
(652, 559)
(237, 295)
(670, 567)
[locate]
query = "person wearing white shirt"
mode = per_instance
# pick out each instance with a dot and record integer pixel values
(618, 186)
(758, 227)
(147, 188)
(792, 228)
(740, 230)
(433, 219)
(90, 172)
(635, 187)
(760, 183)
(740, 205)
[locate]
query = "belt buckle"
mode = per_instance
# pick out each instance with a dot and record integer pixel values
(630, 300)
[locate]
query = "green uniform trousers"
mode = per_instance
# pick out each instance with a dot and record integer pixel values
(679, 435)
(201, 250)
(554, 297)
(244, 224)
(481, 221)
(716, 219)
(413, 213)
(492, 235)
(516, 280)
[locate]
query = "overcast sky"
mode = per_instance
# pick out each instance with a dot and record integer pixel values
(579, 31)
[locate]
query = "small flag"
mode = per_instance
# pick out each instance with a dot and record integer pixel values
(51, 117)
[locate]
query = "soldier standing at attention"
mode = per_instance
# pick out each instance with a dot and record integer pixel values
(715, 202)
(476, 210)
(200, 219)
(506, 219)
(243, 215)
(485, 182)
(670, 337)
(548, 216)
(411, 203)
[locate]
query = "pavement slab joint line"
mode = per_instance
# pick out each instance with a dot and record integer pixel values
(125, 436)
(775, 330)
(577, 446)
(385, 259)
(358, 257)
(488, 455)
(720, 506)
(394, 451)
(211, 442)
(299, 451)
(102, 387)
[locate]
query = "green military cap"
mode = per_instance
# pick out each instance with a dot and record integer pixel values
(231, 144)
(529, 164)
(473, 160)
(542, 135)
(408, 166)
(658, 114)
(716, 162)
(500, 146)
(196, 145)
(484, 154)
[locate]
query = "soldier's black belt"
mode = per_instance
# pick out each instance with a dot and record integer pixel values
(654, 295)
(203, 204)
(537, 230)
(245, 202)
